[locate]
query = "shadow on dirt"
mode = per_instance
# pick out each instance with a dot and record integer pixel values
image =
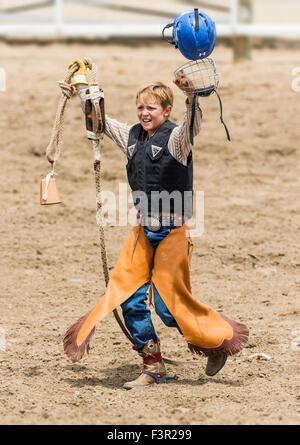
(118, 375)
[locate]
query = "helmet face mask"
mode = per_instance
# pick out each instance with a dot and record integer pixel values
(202, 79)
(201, 76)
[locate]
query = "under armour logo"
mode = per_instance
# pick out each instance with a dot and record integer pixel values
(131, 149)
(155, 150)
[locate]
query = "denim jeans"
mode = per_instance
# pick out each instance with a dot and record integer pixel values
(137, 315)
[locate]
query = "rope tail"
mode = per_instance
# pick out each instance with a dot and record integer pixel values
(97, 171)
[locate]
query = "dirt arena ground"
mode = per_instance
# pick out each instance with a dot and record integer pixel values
(246, 264)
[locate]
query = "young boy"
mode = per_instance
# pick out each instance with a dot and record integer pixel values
(157, 250)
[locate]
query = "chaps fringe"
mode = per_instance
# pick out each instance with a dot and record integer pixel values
(71, 348)
(229, 347)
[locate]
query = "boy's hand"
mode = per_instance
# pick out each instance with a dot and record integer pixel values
(185, 85)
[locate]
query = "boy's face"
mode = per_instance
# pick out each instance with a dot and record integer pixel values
(151, 114)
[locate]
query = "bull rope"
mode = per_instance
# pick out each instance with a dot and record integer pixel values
(55, 145)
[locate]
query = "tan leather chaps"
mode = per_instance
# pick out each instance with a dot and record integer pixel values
(205, 330)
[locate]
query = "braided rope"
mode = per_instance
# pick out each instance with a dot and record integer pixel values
(92, 80)
(56, 141)
(97, 171)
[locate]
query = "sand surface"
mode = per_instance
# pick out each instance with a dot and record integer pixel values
(246, 264)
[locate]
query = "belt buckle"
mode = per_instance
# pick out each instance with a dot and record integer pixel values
(152, 223)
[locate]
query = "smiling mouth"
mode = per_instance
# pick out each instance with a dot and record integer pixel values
(146, 121)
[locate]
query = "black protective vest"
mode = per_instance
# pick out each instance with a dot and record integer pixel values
(158, 181)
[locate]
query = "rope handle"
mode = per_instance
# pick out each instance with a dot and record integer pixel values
(68, 89)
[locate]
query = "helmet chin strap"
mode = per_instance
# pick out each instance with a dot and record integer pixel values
(193, 115)
(221, 117)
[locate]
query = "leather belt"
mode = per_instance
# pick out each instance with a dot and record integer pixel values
(156, 222)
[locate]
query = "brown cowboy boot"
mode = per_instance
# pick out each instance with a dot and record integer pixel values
(215, 363)
(153, 366)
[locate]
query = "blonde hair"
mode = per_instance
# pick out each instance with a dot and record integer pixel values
(158, 91)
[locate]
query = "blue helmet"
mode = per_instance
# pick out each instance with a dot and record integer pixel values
(194, 33)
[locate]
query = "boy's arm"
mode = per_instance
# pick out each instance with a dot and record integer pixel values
(118, 132)
(179, 143)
